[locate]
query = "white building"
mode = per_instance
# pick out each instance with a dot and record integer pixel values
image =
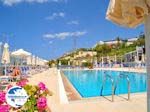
(131, 41)
(113, 42)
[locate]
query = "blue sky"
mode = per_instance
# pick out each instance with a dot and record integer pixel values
(47, 27)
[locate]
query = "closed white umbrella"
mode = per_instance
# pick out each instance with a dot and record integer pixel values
(33, 60)
(36, 60)
(59, 63)
(29, 60)
(43, 62)
(68, 63)
(5, 56)
(40, 61)
(132, 13)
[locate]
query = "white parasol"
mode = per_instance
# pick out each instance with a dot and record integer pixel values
(5, 56)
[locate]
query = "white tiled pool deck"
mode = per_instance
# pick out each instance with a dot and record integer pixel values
(50, 78)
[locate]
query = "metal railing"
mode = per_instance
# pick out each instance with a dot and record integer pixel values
(112, 82)
(128, 81)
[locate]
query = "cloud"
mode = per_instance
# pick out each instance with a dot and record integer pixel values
(74, 22)
(64, 35)
(56, 15)
(50, 42)
(13, 2)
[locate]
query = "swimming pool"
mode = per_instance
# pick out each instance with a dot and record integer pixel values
(89, 82)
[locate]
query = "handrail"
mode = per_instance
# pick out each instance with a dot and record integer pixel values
(128, 80)
(112, 82)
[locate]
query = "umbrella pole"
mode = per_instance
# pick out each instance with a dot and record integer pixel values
(5, 69)
(147, 40)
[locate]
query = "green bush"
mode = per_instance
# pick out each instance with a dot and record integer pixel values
(87, 64)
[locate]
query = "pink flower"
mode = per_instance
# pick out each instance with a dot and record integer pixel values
(2, 97)
(22, 83)
(42, 86)
(25, 80)
(4, 108)
(42, 103)
(9, 86)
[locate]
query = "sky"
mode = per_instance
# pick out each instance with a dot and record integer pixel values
(47, 28)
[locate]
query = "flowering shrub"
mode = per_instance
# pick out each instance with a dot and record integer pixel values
(22, 82)
(2, 97)
(41, 103)
(3, 106)
(9, 86)
(36, 102)
(42, 86)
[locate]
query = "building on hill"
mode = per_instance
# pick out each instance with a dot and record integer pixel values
(80, 57)
(131, 41)
(84, 56)
(114, 42)
(109, 42)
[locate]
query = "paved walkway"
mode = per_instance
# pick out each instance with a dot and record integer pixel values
(50, 78)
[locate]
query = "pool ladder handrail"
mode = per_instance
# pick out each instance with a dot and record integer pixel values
(112, 82)
(128, 81)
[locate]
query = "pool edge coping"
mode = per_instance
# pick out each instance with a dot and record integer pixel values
(133, 70)
(62, 92)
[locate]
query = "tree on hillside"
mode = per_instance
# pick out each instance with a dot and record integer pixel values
(140, 41)
(83, 49)
(118, 39)
(106, 48)
(102, 50)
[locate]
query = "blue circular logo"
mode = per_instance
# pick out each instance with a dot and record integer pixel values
(16, 96)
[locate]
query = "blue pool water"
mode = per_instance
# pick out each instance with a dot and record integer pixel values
(89, 82)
